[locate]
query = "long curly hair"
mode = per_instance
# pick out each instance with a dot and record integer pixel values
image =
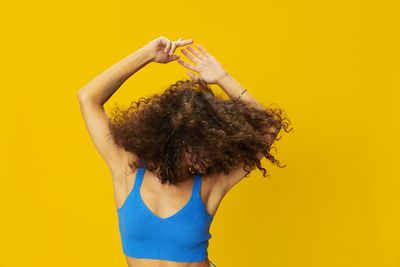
(189, 130)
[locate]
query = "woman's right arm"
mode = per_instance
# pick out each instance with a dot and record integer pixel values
(211, 71)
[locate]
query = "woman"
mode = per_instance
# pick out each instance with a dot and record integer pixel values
(183, 149)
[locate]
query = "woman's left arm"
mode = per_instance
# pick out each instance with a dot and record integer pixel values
(95, 94)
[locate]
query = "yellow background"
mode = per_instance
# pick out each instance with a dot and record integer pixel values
(333, 66)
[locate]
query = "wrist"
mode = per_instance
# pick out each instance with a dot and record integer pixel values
(148, 54)
(223, 79)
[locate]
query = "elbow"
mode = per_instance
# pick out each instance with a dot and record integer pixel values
(84, 97)
(81, 95)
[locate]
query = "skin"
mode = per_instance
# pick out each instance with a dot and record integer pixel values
(163, 199)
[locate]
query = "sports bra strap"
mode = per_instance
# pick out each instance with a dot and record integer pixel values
(197, 185)
(138, 180)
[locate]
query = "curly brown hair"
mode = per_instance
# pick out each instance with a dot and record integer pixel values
(189, 130)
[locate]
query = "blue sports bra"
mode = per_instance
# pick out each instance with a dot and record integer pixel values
(181, 237)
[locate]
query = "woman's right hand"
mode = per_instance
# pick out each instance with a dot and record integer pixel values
(208, 68)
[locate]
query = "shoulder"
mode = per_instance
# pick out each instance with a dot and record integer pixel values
(123, 178)
(213, 190)
(122, 171)
(213, 185)
(221, 183)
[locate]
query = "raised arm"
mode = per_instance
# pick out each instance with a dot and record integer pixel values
(211, 71)
(95, 94)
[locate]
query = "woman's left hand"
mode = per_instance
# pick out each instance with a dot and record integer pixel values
(162, 49)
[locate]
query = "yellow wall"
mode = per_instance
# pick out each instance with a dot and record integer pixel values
(332, 65)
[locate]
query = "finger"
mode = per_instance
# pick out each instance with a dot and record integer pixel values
(186, 65)
(175, 45)
(194, 77)
(193, 54)
(168, 46)
(172, 50)
(191, 75)
(190, 56)
(204, 51)
(194, 51)
(165, 43)
(184, 42)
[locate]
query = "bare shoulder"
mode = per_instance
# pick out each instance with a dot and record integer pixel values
(212, 185)
(122, 175)
(211, 193)
(123, 178)
(215, 187)
(219, 183)
(222, 183)
(120, 172)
